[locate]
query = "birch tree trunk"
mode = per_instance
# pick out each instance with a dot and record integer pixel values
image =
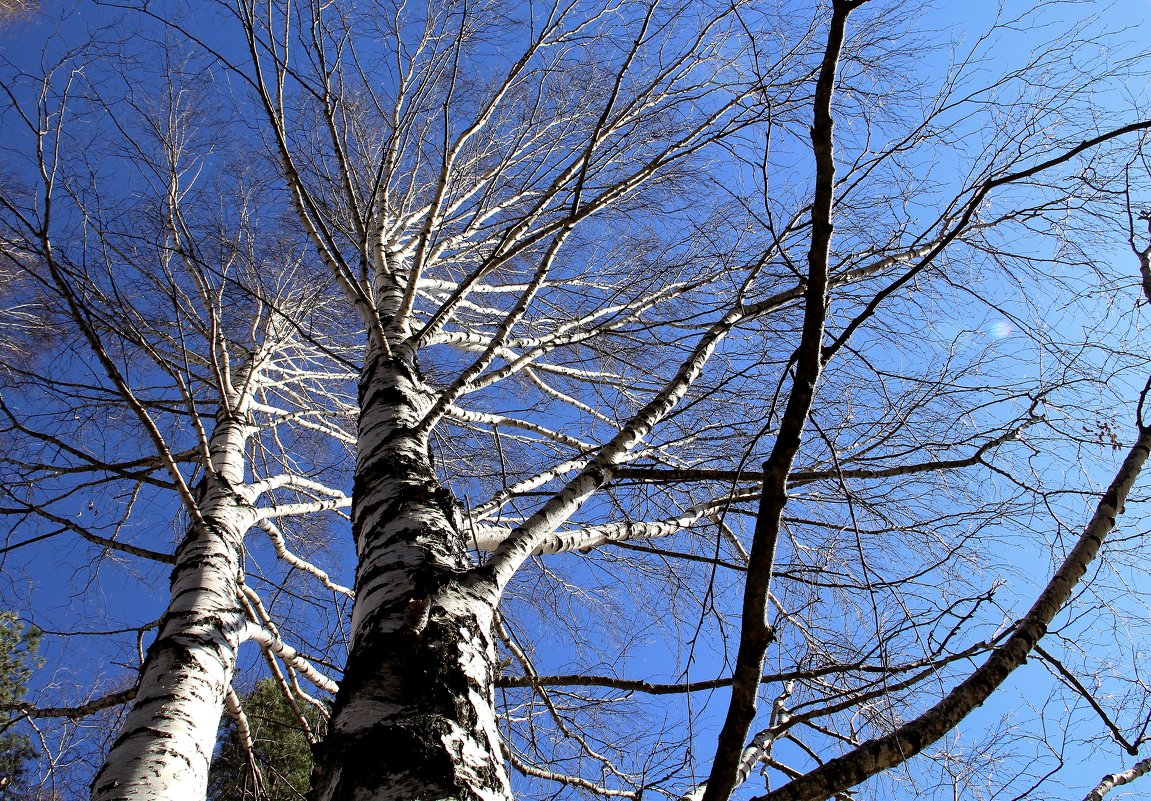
(415, 714)
(166, 742)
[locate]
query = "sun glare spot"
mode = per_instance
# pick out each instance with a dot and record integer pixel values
(1000, 329)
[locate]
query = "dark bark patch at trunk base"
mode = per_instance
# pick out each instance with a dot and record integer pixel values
(414, 717)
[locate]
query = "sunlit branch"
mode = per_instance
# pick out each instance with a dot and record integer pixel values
(290, 656)
(281, 548)
(911, 738)
(1113, 780)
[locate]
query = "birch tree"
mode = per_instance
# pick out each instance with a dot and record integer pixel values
(185, 371)
(714, 375)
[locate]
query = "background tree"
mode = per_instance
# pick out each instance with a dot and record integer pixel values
(272, 758)
(187, 387)
(18, 660)
(687, 382)
(12, 11)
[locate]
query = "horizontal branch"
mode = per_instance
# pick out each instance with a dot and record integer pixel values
(104, 542)
(257, 488)
(671, 475)
(78, 711)
(310, 507)
(652, 688)
(565, 779)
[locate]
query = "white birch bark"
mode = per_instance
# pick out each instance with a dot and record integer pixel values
(415, 715)
(165, 745)
(1140, 768)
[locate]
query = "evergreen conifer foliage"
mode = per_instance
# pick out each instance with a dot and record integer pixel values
(279, 763)
(18, 660)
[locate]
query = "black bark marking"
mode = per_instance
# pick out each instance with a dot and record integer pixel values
(421, 675)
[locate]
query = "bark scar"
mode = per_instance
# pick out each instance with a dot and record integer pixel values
(416, 616)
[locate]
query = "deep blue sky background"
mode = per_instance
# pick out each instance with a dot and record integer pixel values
(52, 577)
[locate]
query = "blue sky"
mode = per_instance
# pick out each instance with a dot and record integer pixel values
(59, 578)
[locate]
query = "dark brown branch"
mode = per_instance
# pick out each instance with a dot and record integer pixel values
(104, 542)
(965, 221)
(672, 475)
(1087, 696)
(755, 632)
(908, 740)
(653, 688)
(79, 711)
